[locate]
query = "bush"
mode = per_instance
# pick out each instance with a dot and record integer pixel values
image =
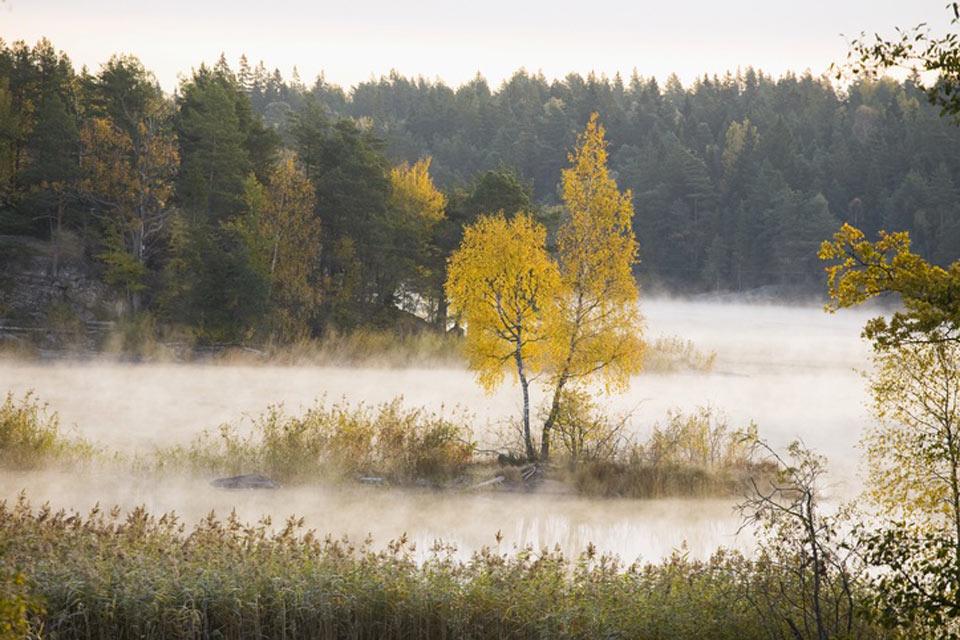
(703, 438)
(582, 431)
(19, 608)
(671, 353)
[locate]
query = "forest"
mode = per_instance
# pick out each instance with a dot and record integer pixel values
(248, 208)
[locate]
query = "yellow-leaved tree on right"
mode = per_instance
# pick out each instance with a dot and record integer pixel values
(913, 450)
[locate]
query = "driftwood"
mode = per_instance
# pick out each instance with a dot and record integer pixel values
(531, 472)
(492, 482)
(248, 481)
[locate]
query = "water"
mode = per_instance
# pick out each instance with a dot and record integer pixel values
(792, 370)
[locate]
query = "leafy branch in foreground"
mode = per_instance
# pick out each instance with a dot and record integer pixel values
(859, 270)
(918, 50)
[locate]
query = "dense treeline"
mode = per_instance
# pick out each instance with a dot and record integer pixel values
(735, 179)
(204, 217)
(249, 207)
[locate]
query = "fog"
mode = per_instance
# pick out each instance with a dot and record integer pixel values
(792, 370)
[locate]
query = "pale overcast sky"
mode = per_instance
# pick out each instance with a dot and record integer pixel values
(451, 40)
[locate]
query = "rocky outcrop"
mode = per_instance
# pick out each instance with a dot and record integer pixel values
(51, 296)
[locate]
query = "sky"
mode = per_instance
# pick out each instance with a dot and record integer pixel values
(352, 41)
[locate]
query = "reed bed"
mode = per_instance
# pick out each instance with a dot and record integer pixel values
(136, 575)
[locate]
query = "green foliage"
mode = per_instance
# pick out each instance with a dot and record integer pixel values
(919, 587)
(214, 160)
(350, 175)
(140, 575)
(733, 178)
(917, 50)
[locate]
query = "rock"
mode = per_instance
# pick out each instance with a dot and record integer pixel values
(248, 481)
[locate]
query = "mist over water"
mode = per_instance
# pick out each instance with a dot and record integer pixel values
(792, 370)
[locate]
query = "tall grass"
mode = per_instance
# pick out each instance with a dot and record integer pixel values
(333, 442)
(30, 435)
(668, 354)
(690, 454)
(107, 575)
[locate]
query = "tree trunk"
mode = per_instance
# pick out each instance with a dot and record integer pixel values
(57, 237)
(551, 420)
(525, 387)
(441, 319)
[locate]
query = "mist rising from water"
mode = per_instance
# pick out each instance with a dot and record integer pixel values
(792, 370)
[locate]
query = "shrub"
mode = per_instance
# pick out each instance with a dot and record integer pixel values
(695, 454)
(702, 438)
(583, 431)
(19, 608)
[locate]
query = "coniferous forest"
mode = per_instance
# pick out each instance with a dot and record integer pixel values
(200, 209)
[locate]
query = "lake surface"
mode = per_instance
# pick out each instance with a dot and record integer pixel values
(795, 371)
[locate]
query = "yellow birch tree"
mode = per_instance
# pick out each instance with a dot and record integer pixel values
(597, 330)
(503, 284)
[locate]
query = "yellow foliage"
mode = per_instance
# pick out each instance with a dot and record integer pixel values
(131, 177)
(862, 270)
(414, 196)
(914, 451)
(502, 284)
(599, 327)
(573, 319)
